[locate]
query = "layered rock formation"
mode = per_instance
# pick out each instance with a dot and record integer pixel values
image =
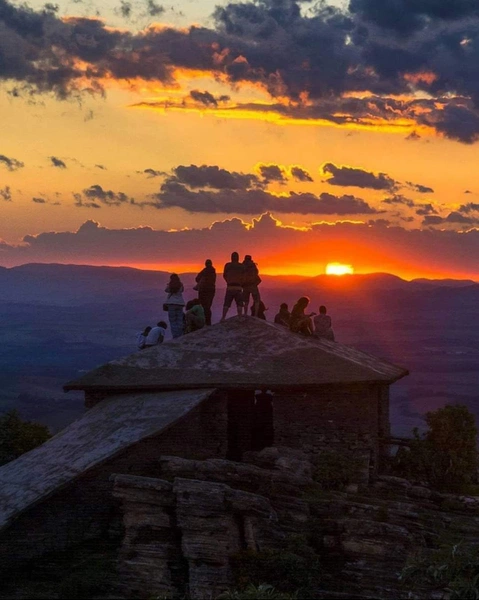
(183, 529)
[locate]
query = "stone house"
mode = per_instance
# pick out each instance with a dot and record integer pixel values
(236, 387)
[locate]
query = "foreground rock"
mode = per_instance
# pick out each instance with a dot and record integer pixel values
(183, 529)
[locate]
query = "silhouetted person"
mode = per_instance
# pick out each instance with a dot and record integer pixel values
(233, 275)
(322, 325)
(206, 286)
(175, 304)
(284, 316)
(300, 322)
(260, 310)
(156, 335)
(194, 316)
(141, 337)
(251, 280)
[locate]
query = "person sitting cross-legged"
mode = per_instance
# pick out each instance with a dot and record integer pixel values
(300, 322)
(322, 325)
(194, 316)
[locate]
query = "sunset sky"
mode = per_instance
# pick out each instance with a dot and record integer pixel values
(151, 135)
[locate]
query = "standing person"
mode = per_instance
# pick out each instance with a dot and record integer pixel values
(322, 325)
(141, 337)
(300, 322)
(175, 303)
(206, 286)
(284, 316)
(251, 280)
(233, 275)
(156, 335)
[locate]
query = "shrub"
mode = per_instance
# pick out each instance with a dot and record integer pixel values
(18, 437)
(446, 455)
(293, 569)
(334, 470)
(452, 569)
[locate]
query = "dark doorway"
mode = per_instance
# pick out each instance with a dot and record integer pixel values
(250, 422)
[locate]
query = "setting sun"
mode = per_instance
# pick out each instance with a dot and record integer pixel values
(339, 269)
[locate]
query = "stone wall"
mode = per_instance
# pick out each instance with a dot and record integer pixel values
(339, 418)
(86, 509)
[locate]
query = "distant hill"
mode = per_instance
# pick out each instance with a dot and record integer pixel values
(80, 284)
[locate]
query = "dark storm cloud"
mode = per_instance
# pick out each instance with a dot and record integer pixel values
(95, 196)
(257, 201)
(459, 123)
(432, 220)
(6, 194)
(457, 217)
(405, 17)
(80, 202)
(349, 176)
(57, 162)
(214, 177)
(125, 9)
(426, 209)
(422, 189)
(152, 173)
(272, 173)
(153, 9)
(399, 199)
(12, 164)
(300, 174)
(207, 99)
(321, 53)
(469, 207)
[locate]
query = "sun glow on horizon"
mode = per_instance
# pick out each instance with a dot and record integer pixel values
(339, 269)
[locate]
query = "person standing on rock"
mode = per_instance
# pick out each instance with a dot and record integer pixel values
(251, 280)
(174, 304)
(233, 275)
(206, 287)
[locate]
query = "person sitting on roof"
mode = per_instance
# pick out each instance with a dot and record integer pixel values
(322, 325)
(284, 316)
(233, 275)
(156, 335)
(194, 316)
(299, 322)
(251, 280)
(141, 337)
(259, 311)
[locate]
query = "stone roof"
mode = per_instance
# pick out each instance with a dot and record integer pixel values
(110, 427)
(242, 352)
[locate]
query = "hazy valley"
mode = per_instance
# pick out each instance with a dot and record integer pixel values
(59, 320)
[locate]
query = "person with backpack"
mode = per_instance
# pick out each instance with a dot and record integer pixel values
(206, 287)
(233, 275)
(251, 280)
